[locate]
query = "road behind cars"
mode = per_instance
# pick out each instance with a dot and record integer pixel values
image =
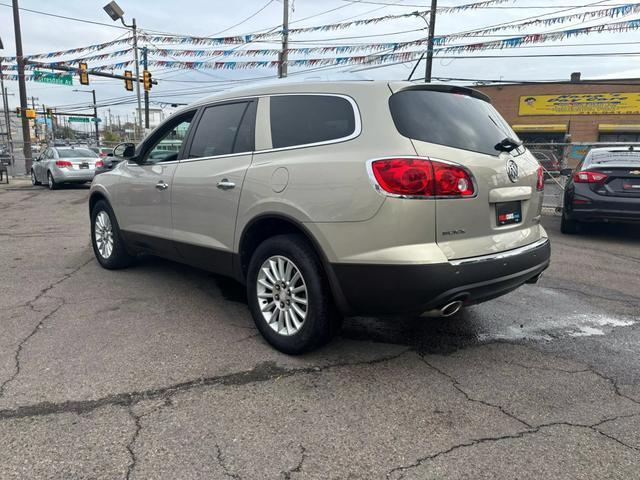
(157, 371)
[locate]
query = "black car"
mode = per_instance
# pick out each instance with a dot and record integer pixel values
(604, 187)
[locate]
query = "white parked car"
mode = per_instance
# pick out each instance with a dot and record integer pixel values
(58, 165)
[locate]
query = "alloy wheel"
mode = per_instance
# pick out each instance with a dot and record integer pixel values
(282, 295)
(103, 234)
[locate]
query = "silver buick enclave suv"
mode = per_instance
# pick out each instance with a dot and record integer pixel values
(332, 199)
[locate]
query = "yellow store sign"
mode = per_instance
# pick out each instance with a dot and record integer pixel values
(580, 104)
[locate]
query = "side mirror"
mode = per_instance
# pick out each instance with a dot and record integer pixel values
(124, 150)
(566, 172)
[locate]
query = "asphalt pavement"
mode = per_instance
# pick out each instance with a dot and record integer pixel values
(157, 371)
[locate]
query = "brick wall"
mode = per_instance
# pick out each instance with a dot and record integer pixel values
(583, 128)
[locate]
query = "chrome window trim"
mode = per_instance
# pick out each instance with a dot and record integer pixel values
(384, 193)
(501, 255)
(213, 157)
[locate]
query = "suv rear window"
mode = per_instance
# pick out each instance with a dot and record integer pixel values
(450, 119)
(305, 119)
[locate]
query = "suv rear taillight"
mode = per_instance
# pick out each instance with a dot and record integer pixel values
(63, 163)
(588, 176)
(421, 177)
(540, 182)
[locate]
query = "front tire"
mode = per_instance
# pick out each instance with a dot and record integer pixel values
(289, 295)
(108, 246)
(34, 180)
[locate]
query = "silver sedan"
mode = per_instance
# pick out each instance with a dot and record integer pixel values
(58, 165)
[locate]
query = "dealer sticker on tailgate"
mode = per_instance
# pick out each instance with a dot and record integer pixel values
(508, 213)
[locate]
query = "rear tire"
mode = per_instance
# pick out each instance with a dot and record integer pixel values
(108, 246)
(568, 226)
(291, 303)
(34, 180)
(51, 182)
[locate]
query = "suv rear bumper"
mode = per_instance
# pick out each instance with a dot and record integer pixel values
(369, 289)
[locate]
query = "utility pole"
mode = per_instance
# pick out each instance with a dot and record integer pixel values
(35, 122)
(95, 116)
(135, 57)
(146, 92)
(432, 29)
(284, 54)
(26, 135)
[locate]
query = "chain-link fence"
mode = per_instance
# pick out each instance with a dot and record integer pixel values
(556, 157)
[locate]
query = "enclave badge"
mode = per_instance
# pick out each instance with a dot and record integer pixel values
(512, 170)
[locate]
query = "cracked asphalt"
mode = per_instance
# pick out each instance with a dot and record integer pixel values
(158, 372)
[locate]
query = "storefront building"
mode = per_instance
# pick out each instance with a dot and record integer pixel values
(576, 111)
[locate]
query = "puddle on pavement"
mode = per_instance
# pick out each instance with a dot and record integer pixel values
(531, 313)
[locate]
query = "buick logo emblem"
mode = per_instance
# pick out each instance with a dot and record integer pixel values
(512, 170)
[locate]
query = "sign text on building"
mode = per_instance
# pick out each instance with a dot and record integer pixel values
(580, 104)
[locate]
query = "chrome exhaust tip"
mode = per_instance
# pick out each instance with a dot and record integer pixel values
(451, 308)
(446, 311)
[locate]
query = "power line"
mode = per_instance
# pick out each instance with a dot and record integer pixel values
(83, 20)
(245, 20)
(498, 7)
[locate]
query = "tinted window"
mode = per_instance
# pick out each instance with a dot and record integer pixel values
(75, 153)
(218, 129)
(303, 119)
(449, 119)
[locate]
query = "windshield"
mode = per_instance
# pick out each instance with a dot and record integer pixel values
(75, 153)
(449, 119)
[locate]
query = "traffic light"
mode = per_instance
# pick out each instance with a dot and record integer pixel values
(146, 80)
(84, 76)
(128, 81)
(49, 112)
(18, 112)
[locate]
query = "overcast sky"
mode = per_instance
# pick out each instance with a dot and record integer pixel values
(203, 18)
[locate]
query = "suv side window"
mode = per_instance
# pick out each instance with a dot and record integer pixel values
(223, 129)
(166, 144)
(305, 119)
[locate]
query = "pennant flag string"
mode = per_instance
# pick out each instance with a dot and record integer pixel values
(73, 51)
(611, 12)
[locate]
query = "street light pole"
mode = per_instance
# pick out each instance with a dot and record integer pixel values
(26, 135)
(116, 13)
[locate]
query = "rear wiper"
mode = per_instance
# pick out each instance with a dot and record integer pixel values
(507, 144)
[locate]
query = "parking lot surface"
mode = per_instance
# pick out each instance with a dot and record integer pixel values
(157, 371)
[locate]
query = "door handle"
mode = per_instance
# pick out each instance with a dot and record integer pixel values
(225, 184)
(161, 185)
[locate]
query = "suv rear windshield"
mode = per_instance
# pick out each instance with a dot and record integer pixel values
(450, 119)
